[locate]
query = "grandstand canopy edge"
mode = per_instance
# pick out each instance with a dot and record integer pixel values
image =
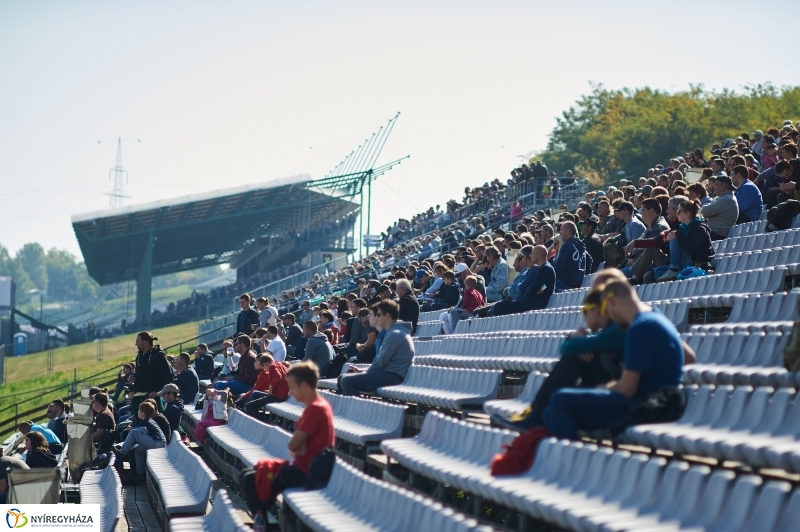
(138, 242)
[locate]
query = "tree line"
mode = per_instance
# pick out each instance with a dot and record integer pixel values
(56, 270)
(631, 130)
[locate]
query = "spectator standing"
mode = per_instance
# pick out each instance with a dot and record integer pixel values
(409, 306)
(248, 319)
(748, 196)
(722, 213)
(267, 314)
(572, 262)
(395, 354)
(313, 434)
(653, 365)
(203, 362)
(186, 378)
(246, 374)
(152, 371)
(317, 349)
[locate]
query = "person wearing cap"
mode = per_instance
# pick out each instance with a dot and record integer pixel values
(633, 229)
(385, 292)
(174, 405)
(748, 196)
(592, 242)
(293, 332)
(722, 213)
(462, 271)
(186, 378)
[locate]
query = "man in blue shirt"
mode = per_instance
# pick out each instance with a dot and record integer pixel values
(653, 362)
(747, 195)
(572, 262)
(536, 288)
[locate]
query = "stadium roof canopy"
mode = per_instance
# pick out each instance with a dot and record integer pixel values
(200, 229)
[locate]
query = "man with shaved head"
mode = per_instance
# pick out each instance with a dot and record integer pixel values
(536, 288)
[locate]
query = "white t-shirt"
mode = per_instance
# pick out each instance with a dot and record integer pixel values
(277, 348)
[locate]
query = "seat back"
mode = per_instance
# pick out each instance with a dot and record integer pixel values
(34, 486)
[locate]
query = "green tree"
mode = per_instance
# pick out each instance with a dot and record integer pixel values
(9, 267)
(33, 260)
(68, 278)
(634, 129)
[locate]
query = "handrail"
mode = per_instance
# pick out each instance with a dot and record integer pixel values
(180, 344)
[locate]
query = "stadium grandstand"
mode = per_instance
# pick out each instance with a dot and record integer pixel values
(534, 357)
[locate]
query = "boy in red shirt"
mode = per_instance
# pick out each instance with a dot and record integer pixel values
(471, 300)
(313, 433)
(270, 387)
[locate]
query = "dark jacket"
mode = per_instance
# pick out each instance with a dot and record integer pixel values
(293, 334)
(545, 280)
(41, 459)
(245, 321)
(594, 247)
(348, 330)
(696, 241)
(189, 384)
(572, 263)
(409, 311)
(204, 366)
(247, 371)
(152, 371)
(655, 230)
(448, 295)
(173, 413)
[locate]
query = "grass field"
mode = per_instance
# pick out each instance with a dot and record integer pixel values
(26, 375)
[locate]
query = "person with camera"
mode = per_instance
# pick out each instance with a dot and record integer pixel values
(246, 373)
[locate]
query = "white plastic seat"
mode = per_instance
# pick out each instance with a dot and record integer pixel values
(249, 440)
(182, 478)
(450, 389)
(223, 516)
(103, 487)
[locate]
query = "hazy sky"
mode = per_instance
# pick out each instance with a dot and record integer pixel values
(208, 95)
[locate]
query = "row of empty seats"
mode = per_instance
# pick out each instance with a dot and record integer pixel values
(103, 487)
(354, 501)
(579, 486)
(758, 312)
(362, 422)
(738, 358)
(757, 242)
(179, 481)
(749, 228)
(759, 427)
(788, 256)
(223, 516)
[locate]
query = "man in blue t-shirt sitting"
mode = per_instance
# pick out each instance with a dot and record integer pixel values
(653, 362)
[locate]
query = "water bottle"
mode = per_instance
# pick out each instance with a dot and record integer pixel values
(259, 523)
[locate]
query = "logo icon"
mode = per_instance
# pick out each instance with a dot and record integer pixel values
(19, 519)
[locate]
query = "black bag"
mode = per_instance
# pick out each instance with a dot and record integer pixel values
(780, 217)
(334, 367)
(319, 472)
(661, 406)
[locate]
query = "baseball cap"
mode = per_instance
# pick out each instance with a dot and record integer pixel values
(170, 388)
(758, 133)
(727, 180)
(421, 274)
(383, 288)
(460, 268)
(591, 220)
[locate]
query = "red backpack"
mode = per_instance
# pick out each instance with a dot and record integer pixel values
(517, 457)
